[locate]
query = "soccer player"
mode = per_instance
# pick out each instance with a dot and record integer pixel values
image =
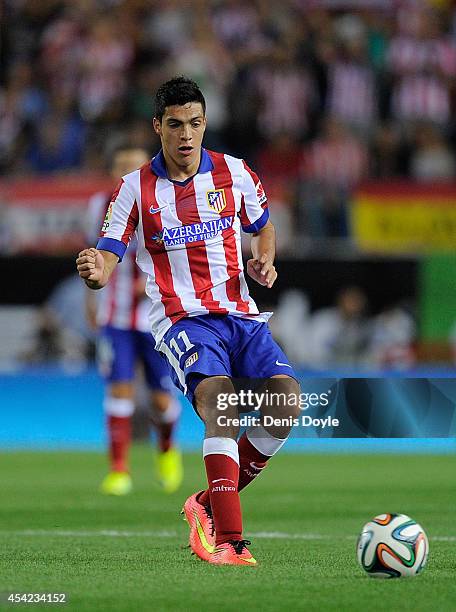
(125, 340)
(187, 208)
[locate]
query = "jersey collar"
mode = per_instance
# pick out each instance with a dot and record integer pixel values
(158, 165)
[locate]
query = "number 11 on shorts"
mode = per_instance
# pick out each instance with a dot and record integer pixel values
(185, 339)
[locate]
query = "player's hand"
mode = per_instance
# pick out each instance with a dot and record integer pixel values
(90, 266)
(262, 271)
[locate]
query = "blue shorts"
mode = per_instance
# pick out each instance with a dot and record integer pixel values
(221, 345)
(119, 351)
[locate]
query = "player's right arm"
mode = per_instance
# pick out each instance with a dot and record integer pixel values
(95, 267)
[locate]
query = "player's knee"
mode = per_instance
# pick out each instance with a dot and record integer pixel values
(285, 393)
(220, 420)
(121, 390)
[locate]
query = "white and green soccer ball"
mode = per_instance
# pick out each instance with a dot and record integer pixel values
(392, 546)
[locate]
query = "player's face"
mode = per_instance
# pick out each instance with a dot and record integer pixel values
(181, 132)
(127, 161)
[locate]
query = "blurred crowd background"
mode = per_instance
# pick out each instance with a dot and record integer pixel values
(319, 96)
(316, 99)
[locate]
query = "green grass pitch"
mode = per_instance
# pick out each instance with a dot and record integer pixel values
(57, 534)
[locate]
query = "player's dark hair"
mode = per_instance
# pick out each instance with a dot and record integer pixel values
(178, 91)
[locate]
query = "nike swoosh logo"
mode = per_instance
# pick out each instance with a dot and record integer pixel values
(287, 365)
(153, 211)
(202, 536)
(220, 480)
(255, 467)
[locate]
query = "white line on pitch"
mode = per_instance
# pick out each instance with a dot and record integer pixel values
(279, 535)
(111, 533)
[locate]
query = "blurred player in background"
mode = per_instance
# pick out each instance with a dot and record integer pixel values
(186, 209)
(340, 335)
(120, 312)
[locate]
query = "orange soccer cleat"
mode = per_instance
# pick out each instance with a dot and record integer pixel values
(202, 531)
(234, 552)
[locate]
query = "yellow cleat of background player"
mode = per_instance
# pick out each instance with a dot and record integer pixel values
(169, 469)
(117, 483)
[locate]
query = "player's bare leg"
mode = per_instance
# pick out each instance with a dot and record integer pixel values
(281, 389)
(166, 411)
(119, 407)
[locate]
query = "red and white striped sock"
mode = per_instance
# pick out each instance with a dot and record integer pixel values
(119, 429)
(164, 423)
(251, 462)
(222, 468)
(255, 447)
(119, 411)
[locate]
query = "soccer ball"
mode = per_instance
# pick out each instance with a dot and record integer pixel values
(392, 546)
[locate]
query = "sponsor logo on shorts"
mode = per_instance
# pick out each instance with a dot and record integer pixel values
(279, 363)
(191, 360)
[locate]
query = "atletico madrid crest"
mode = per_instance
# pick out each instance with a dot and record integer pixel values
(216, 200)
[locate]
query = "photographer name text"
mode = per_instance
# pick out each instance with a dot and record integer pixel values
(304, 420)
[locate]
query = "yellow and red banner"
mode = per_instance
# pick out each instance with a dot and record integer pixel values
(405, 217)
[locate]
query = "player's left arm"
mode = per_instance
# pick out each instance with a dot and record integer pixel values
(261, 266)
(254, 215)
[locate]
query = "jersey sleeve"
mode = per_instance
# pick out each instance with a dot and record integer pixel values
(254, 211)
(120, 221)
(96, 211)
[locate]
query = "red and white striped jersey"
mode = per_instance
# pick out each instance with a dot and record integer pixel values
(119, 304)
(340, 164)
(351, 95)
(422, 98)
(189, 239)
(273, 86)
(423, 68)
